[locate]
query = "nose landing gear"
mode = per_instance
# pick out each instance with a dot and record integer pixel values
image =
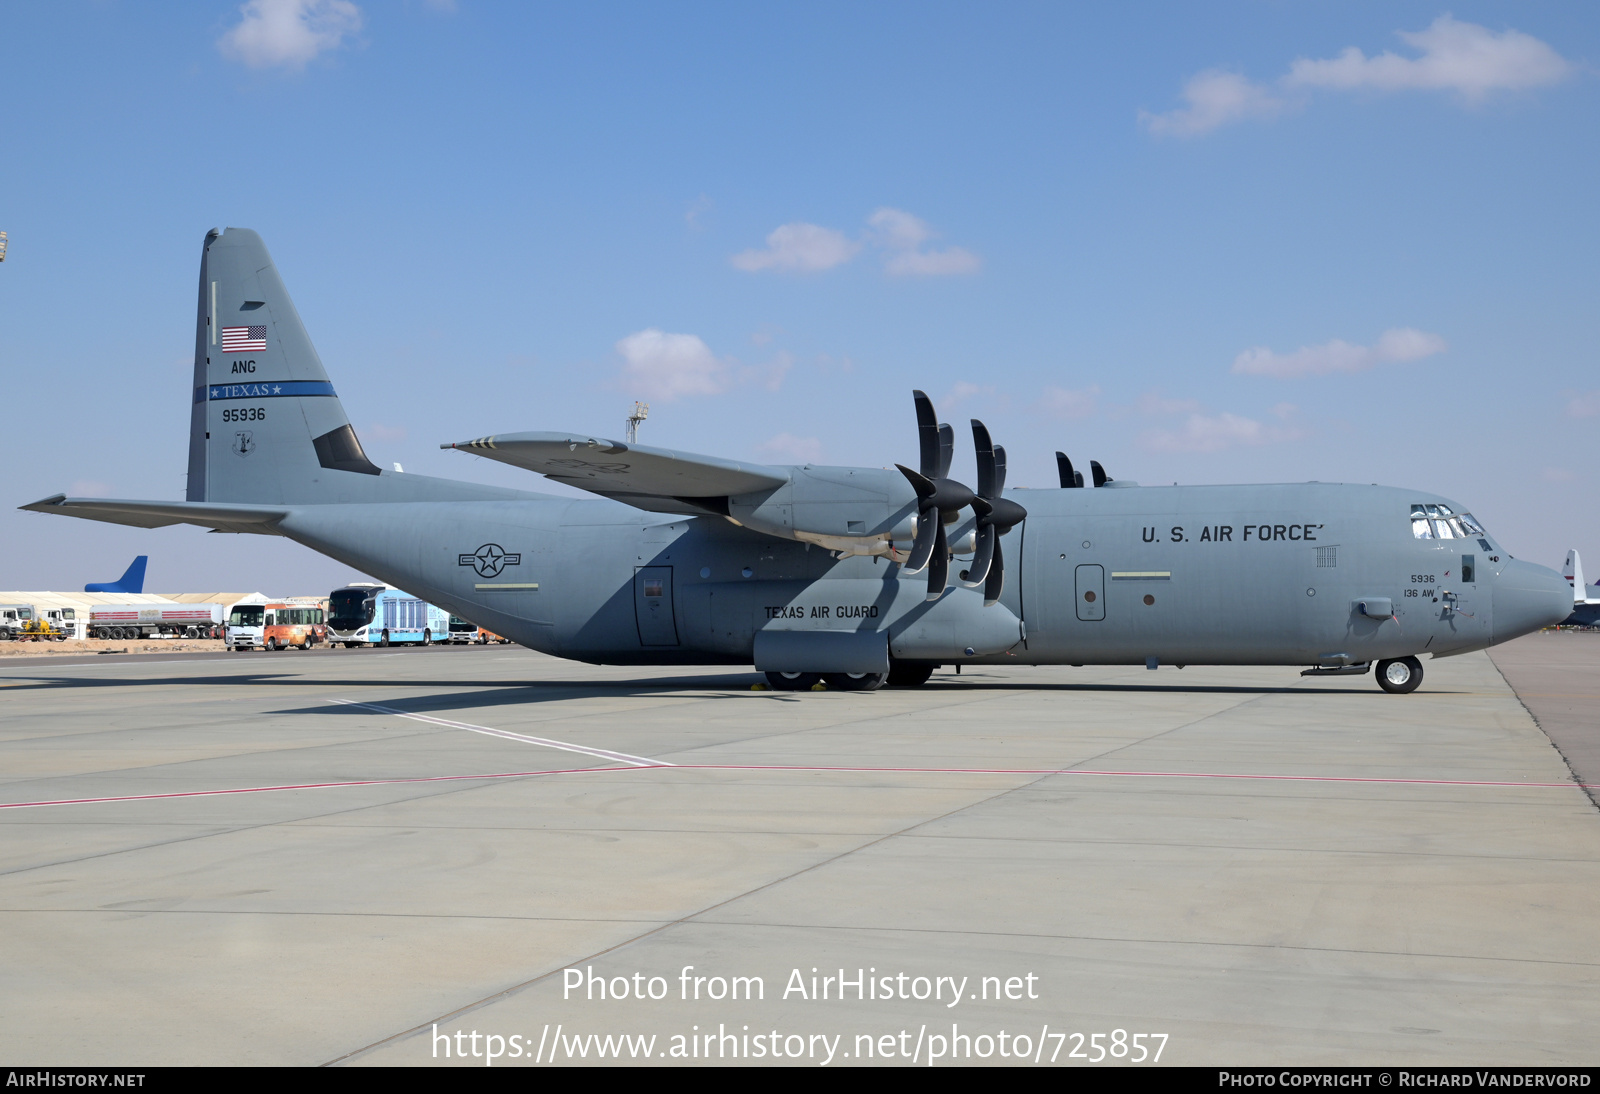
(1399, 676)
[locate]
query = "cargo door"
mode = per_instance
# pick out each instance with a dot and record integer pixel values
(1091, 587)
(652, 606)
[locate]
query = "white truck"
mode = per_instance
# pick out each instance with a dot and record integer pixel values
(23, 622)
(151, 620)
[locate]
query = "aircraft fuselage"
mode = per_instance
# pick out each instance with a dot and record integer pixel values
(1288, 574)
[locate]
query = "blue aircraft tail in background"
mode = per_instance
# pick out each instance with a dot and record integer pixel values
(130, 582)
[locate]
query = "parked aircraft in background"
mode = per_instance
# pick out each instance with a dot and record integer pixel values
(132, 580)
(1585, 598)
(839, 574)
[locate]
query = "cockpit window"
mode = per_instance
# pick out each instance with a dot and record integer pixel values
(1439, 521)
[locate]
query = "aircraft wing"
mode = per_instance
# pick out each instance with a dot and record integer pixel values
(654, 479)
(234, 517)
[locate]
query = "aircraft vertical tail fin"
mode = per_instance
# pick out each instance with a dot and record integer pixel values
(266, 425)
(1573, 571)
(131, 581)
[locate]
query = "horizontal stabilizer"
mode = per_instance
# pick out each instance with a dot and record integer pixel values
(654, 479)
(221, 517)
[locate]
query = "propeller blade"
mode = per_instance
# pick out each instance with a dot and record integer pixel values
(1068, 477)
(947, 449)
(983, 449)
(999, 472)
(924, 486)
(988, 539)
(927, 435)
(1099, 473)
(997, 576)
(939, 564)
(922, 547)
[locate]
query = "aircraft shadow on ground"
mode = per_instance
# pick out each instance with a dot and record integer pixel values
(498, 693)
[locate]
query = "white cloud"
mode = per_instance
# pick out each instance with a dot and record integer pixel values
(1466, 58)
(810, 248)
(666, 366)
(771, 374)
(289, 32)
(1393, 346)
(697, 208)
(1155, 403)
(1215, 97)
(803, 247)
(1461, 57)
(960, 393)
(1215, 432)
(787, 446)
(903, 236)
(1064, 402)
(1584, 405)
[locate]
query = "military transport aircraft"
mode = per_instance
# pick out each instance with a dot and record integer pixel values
(1585, 598)
(838, 574)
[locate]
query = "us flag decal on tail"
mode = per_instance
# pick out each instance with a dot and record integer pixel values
(242, 339)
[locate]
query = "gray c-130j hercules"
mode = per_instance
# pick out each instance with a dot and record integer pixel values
(852, 575)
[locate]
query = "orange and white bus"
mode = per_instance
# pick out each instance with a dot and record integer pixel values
(275, 626)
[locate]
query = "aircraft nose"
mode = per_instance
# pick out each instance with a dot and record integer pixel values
(1528, 597)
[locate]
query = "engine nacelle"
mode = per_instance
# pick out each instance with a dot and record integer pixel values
(858, 511)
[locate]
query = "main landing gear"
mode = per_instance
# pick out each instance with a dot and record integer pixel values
(833, 681)
(1399, 676)
(901, 674)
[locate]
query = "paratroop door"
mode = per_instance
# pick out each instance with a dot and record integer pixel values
(652, 606)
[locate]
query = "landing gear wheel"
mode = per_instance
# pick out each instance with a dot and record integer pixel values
(385, 640)
(909, 674)
(793, 681)
(1399, 676)
(853, 681)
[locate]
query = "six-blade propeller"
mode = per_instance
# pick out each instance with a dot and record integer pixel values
(940, 500)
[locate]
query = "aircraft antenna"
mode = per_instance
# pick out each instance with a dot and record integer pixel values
(641, 411)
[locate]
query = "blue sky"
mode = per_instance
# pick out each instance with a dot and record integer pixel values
(1250, 242)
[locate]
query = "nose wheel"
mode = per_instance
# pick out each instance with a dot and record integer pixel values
(1399, 676)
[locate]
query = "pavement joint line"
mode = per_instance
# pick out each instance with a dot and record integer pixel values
(565, 746)
(1035, 772)
(214, 830)
(827, 860)
(864, 928)
(726, 902)
(1272, 946)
